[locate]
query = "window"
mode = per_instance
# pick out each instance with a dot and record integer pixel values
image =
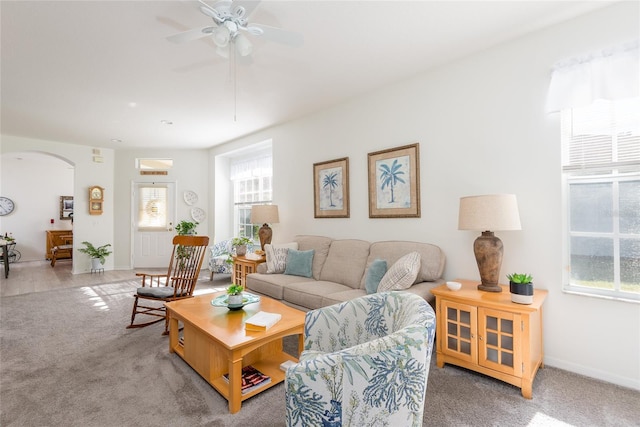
(601, 175)
(152, 208)
(252, 185)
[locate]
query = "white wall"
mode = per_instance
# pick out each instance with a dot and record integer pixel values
(35, 182)
(97, 229)
(482, 129)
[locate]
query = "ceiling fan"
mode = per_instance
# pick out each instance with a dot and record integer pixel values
(230, 20)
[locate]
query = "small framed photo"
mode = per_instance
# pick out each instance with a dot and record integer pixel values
(66, 207)
(394, 182)
(331, 188)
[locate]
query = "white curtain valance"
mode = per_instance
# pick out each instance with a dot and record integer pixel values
(252, 167)
(612, 73)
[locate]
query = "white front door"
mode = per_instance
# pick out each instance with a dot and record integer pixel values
(153, 218)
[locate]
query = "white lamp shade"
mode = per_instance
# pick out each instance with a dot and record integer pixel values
(264, 214)
(492, 212)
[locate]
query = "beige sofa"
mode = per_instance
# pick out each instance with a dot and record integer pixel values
(339, 270)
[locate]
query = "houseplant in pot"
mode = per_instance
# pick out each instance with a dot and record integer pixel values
(521, 288)
(240, 244)
(98, 255)
(186, 228)
(235, 295)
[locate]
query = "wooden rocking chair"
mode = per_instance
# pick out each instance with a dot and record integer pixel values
(179, 282)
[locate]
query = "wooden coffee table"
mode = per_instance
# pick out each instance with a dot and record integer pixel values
(213, 341)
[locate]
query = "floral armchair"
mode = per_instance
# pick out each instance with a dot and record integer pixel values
(218, 256)
(365, 362)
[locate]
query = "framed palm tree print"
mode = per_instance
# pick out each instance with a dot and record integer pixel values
(394, 182)
(331, 188)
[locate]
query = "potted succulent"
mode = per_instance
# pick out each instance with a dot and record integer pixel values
(186, 228)
(521, 288)
(235, 294)
(98, 255)
(240, 244)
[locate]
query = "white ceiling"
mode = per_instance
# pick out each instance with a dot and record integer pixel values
(88, 72)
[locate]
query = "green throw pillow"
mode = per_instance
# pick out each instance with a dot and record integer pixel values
(299, 263)
(376, 271)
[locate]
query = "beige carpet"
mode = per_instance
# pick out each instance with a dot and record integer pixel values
(67, 360)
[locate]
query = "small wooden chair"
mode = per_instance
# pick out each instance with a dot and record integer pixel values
(58, 251)
(179, 282)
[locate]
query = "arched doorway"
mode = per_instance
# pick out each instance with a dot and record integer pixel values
(35, 182)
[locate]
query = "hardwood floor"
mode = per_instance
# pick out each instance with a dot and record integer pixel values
(39, 276)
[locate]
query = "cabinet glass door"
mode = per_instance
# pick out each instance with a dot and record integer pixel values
(499, 340)
(460, 327)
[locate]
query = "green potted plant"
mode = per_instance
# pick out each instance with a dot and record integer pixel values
(235, 294)
(521, 288)
(186, 228)
(240, 244)
(98, 255)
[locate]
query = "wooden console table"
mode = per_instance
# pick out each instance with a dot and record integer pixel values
(487, 333)
(58, 238)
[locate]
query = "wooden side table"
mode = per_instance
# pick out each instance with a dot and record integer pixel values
(243, 266)
(487, 333)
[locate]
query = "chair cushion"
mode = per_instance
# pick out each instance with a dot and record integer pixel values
(402, 273)
(375, 273)
(299, 263)
(157, 291)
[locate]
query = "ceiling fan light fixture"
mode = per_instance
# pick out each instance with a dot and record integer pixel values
(243, 45)
(222, 36)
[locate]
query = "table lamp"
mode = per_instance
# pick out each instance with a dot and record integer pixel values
(489, 213)
(264, 214)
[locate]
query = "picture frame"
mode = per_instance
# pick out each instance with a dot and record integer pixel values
(66, 207)
(331, 188)
(394, 182)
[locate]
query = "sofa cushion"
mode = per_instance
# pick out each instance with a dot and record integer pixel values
(432, 258)
(342, 296)
(375, 273)
(402, 273)
(299, 263)
(272, 285)
(277, 256)
(346, 262)
(320, 245)
(311, 294)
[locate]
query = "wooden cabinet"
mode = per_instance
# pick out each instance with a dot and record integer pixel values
(487, 333)
(58, 238)
(243, 266)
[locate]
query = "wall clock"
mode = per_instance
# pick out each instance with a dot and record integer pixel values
(6, 206)
(190, 197)
(96, 199)
(198, 214)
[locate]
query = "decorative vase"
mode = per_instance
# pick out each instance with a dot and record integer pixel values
(235, 300)
(521, 293)
(241, 250)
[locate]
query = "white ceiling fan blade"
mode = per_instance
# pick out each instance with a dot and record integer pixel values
(208, 10)
(277, 34)
(194, 34)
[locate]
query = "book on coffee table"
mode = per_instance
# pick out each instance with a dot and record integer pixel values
(251, 379)
(261, 321)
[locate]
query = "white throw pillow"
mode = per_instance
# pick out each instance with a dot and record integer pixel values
(402, 274)
(277, 256)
